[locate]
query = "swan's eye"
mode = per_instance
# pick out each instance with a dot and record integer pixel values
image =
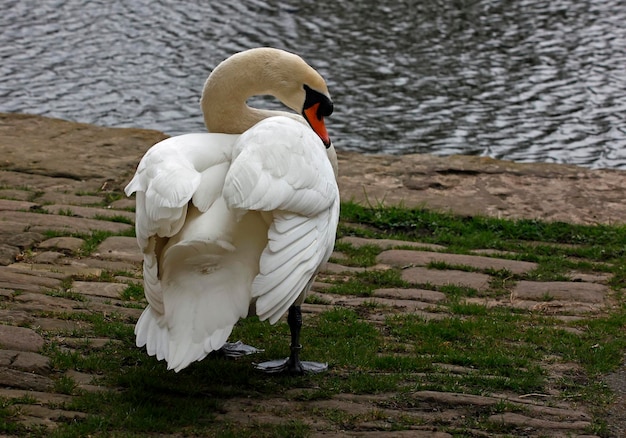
(325, 108)
(313, 97)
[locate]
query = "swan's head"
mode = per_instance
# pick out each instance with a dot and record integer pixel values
(317, 106)
(261, 71)
(302, 88)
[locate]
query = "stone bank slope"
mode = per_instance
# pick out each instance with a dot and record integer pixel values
(461, 184)
(65, 177)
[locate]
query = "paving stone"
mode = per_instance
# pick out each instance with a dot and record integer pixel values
(107, 265)
(410, 305)
(126, 280)
(88, 212)
(60, 325)
(520, 420)
(24, 240)
(35, 269)
(339, 256)
(129, 312)
(56, 270)
(358, 242)
(492, 252)
(92, 343)
(41, 397)
(335, 268)
(8, 204)
(377, 433)
(39, 222)
(120, 248)
(20, 339)
(555, 307)
(314, 308)
(8, 253)
(400, 258)
(99, 288)
(15, 194)
(57, 197)
(31, 363)
(48, 257)
(50, 416)
(71, 244)
(15, 317)
(596, 277)
(9, 228)
(22, 380)
(451, 398)
(41, 302)
(7, 357)
(321, 286)
(438, 277)
(81, 378)
(429, 296)
(561, 290)
(123, 204)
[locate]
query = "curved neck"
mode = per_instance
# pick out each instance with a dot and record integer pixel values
(233, 82)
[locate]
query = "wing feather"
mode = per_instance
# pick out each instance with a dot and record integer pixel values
(280, 166)
(183, 322)
(173, 172)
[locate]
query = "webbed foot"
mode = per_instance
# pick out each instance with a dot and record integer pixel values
(235, 350)
(293, 365)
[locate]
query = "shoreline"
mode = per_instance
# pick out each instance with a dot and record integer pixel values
(97, 157)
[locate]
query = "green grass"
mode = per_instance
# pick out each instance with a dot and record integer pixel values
(364, 283)
(491, 350)
(133, 292)
(483, 232)
(362, 256)
(114, 218)
(556, 246)
(92, 239)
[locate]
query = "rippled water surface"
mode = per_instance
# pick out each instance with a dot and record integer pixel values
(524, 80)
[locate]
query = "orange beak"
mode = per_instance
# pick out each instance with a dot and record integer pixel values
(317, 123)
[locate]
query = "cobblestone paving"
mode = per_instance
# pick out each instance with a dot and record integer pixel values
(43, 275)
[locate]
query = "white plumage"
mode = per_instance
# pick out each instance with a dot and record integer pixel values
(225, 221)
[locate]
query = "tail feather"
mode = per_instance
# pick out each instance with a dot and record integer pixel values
(178, 355)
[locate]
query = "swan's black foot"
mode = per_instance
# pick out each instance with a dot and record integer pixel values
(235, 350)
(293, 365)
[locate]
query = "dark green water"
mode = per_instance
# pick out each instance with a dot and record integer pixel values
(520, 80)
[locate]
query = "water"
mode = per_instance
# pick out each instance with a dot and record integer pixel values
(522, 80)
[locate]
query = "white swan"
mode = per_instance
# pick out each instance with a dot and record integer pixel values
(241, 218)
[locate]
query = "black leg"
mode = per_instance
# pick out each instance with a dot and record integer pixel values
(294, 319)
(293, 365)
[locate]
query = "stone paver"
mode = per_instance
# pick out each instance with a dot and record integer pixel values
(561, 290)
(428, 296)
(98, 288)
(19, 339)
(88, 212)
(8, 254)
(120, 248)
(10, 279)
(440, 277)
(401, 258)
(358, 242)
(45, 222)
(71, 244)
